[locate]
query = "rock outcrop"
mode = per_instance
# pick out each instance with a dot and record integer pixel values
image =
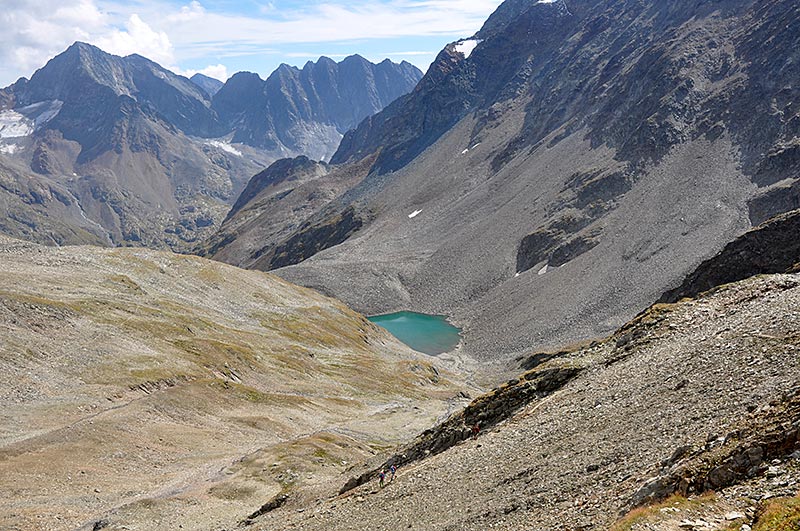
(773, 247)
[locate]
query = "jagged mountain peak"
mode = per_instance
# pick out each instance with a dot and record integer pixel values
(332, 96)
(209, 84)
(510, 11)
(85, 49)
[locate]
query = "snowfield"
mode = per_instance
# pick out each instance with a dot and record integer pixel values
(8, 149)
(14, 125)
(225, 147)
(466, 47)
(25, 120)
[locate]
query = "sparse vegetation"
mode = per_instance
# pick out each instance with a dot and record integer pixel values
(781, 514)
(642, 517)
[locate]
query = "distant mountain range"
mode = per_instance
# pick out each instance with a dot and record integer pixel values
(551, 176)
(96, 148)
(308, 110)
(209, 84)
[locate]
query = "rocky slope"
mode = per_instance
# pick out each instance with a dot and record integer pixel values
(142, 389)
(773, 247)
(278, 203)
(552, 183)
(136, 155)
(696, 396)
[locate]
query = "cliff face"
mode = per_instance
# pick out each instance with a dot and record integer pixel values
(584, 157)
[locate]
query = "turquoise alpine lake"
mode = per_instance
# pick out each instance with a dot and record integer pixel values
(431, 334)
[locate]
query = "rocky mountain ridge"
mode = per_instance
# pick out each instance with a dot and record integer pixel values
(308, 110)
(209, 84)
(552, 176)
(125, 152)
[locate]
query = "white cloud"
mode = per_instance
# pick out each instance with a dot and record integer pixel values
(231, 34)
(218, 71)
(35, 31)
(192, 11)
(138, 37)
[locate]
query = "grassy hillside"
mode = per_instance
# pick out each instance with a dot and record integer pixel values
(140, 386)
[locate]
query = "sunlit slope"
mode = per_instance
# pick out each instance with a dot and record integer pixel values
(152, 385)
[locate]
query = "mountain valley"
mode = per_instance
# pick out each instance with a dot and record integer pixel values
(162, 390)
(600, 197)
(580, 161)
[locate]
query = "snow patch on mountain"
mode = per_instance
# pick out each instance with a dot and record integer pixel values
(224, 146)
(14, 125)
(8, 149)
(25, 120)
(465, 47)
(42, 112)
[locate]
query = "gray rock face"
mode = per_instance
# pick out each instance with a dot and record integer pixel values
(585, 157)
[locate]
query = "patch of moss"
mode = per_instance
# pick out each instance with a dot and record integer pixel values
(123, 283)
(210, 275)
(215, 354)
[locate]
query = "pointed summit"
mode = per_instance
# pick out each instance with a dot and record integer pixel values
(209, 84)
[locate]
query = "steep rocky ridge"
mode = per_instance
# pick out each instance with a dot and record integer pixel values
(279, 203)
(687, 397)
(583, 158)
(773, 247)
(306, 111)
(147, 155)
(142, 389)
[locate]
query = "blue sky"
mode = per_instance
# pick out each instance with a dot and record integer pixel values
(221, 37)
